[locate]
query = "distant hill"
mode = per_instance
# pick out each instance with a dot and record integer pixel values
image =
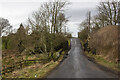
(105, 40)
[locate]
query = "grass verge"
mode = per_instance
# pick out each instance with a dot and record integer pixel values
(103, 61)
(69, 42)
(35, 71)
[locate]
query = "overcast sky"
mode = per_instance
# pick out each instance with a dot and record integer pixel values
(17, 11)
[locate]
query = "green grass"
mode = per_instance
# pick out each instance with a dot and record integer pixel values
(68, 42)
(101, 60)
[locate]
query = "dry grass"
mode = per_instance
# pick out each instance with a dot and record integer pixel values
(38, 70)
(103, 61)
(105, 40)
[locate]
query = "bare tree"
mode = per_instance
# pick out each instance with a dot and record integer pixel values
(108, 12)
(4, 26)
(57, 8)
(50, 18)
(61, 22)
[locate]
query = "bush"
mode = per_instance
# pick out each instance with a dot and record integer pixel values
(59, 42)
(21, 47)
(38, 49)
(83, 35)
(56, 56)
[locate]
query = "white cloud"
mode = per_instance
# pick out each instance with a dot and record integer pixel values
(73, 28)
(17, 12)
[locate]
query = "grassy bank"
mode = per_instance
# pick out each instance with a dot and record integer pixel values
(103, 61)
(37, 70)
(31, 65)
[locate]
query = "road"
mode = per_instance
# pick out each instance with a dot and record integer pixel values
(76, 65)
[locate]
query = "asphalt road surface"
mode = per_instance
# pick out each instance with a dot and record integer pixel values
(76, 65)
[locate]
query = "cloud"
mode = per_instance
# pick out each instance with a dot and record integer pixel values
(78, 12)
(17, 11)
